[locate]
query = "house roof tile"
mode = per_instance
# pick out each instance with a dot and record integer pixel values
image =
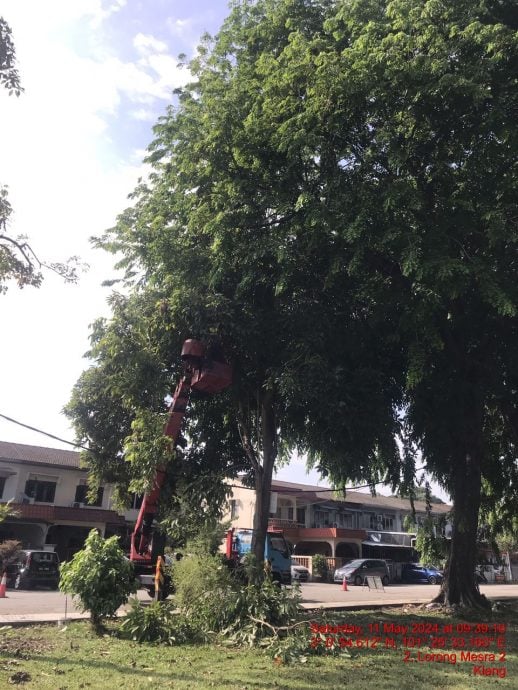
(21, 452)
(353, 498)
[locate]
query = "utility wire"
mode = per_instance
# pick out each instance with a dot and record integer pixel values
(286, 490)
(45, 433)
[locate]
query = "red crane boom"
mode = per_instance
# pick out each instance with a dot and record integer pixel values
(203, 374)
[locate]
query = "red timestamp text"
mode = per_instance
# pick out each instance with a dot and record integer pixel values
(333, 641)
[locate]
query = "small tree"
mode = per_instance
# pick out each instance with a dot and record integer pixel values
(100, 576)
(8, 551)
(320, 567)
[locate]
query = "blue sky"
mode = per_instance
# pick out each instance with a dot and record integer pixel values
(97, 75)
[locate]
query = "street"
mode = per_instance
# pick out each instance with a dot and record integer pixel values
(317, 593)
(43, 604)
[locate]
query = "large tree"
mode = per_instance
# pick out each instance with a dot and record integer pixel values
(421, 99)
(233, 241)
(332, 201)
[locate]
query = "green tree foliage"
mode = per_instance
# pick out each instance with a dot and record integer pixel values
(407, 108)
(215, 599)
(119, 410)
(158, 622)
(320, 566)
(100, 576)
(18, 260)
(230, 240)
(437, 174)
(9, 550)
(432, 547)
(9, 77)
(499, 515)
(207, 538)
(440, 178)
(419, 493)
(332, 200)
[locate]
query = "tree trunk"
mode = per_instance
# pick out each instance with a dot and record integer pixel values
(459, 587)
(263, 476)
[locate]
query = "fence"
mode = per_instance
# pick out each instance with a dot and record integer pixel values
(332, 563)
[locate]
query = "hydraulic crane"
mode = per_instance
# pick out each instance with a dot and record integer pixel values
(207, 373)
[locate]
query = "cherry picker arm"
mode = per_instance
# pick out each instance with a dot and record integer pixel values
(203, 374)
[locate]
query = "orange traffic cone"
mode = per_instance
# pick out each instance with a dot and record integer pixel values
(3, 586)
(344, 584)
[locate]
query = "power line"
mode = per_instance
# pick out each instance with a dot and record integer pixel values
(285, 490)
(296, 492)
(45, 433)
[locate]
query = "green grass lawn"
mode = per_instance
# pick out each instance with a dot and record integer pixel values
(54, 658)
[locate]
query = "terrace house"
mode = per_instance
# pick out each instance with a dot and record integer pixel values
(48, 491)
(317, 520)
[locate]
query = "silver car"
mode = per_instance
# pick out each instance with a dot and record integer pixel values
(299, 573)
(356, 572)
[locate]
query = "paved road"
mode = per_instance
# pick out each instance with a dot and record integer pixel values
(316, 593)
(41, 605)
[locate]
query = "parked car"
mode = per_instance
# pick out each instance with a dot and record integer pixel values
(414, 573)
(355, 572)
(299, 573)
(33, 568)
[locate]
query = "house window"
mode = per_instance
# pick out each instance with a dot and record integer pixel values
(290, 512)
(136, 501)
(345, 520)
(2, 486)
(370, 521)
(233, 508)
(82, 496)
(321, 518)
(301, 516)
(41, 491)
(388, 522)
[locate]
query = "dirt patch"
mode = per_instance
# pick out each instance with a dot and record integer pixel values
(23, 647)
(19, 677)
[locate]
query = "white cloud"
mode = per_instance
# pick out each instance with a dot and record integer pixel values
(179, 27)
(144, 115)
(61, 13)
(146, 44)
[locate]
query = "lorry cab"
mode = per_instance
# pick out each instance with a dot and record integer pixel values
(276, 551)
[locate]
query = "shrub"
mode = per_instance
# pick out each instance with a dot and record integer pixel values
(259, 608)
(100, 576)
(204, 589)
(320, 565)
(157, 622)
(9, 550)
(214, 600)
